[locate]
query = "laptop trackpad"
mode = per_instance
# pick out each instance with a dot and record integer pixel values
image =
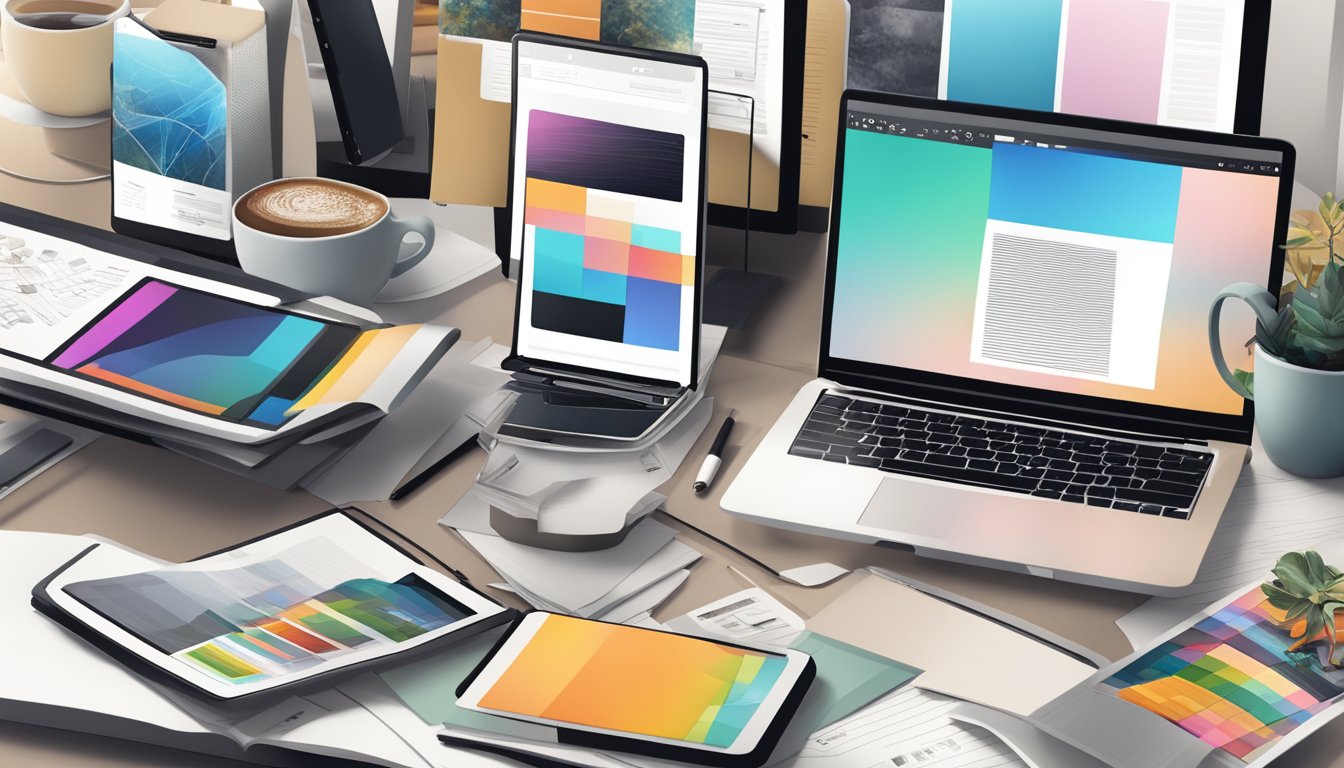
(915, 510)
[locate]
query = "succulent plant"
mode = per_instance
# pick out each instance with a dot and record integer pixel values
(1309, 592)
(1319, 330)
(1309, 330)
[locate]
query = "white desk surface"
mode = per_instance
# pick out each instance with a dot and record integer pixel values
(176, 508)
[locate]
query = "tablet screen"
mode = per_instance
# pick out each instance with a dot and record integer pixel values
(206, 353)
(609, 677)
(608, 209)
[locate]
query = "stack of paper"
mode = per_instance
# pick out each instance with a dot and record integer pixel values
(204, 367)
(618, 584)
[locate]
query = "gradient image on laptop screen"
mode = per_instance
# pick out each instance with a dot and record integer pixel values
(205, 353)
(1040, 256)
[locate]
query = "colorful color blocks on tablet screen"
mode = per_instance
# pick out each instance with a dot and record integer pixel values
(605, 264)
(589, 673)
(1231, 681)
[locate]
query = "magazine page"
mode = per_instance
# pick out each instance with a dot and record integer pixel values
(310, 600)
(1221, 689)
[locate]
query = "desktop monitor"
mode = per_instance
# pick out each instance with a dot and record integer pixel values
(754, 49)
(1182, 63)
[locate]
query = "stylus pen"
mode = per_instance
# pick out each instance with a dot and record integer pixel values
(714, 460)
(433, 469)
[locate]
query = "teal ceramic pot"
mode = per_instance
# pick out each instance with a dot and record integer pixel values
(1299, 412)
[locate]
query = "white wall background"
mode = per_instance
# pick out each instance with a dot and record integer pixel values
(1304, 88)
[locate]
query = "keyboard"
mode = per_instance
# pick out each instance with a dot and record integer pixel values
(1036, 461)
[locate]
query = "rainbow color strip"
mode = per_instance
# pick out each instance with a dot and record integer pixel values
(353, 614)
(1231, 681)
(590, 673)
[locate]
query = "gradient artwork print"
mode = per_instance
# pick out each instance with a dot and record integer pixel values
(1230, 680)
(204, 353)
(663, 25)
(169, 112)
(271, 618)
(608, 156)
(601, 269)
(584, 672)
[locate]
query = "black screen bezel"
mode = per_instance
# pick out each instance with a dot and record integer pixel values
(696, 310)
(783, 220)
(1027, 401)
(1251, 68)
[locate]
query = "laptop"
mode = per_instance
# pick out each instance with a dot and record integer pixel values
(1014, 365)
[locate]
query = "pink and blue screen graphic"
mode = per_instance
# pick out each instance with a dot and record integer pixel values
(196, 351)
(909, 254)
(598, 270)
(1114, 52)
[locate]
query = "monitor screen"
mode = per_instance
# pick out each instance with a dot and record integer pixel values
(754, 51)
(1168, 62)
(608, 209)
(1047, 256)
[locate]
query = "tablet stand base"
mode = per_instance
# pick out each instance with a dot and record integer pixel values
(524, 531)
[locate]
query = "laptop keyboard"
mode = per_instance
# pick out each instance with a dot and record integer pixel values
(1035, 461)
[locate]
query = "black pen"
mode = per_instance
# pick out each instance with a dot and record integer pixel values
(714, 459)
(410, 486)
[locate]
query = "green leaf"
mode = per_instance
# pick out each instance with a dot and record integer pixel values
(1297, 611)
(1316, 568)
(1246, 379)
(1292, 573)
(1315, 623)
(1282, 598)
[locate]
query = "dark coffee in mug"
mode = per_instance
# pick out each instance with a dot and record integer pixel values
(62, 14)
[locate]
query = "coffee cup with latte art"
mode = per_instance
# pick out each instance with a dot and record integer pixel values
(325, 237)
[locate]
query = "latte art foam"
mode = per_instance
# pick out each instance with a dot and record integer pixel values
(310, 208)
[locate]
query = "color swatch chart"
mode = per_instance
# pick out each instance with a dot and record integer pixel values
(272, 618)
(590, 673)
(1231, 681)
(605, 264)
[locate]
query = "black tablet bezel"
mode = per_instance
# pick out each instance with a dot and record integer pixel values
(993, 397)
(756, 757)
(680, 59)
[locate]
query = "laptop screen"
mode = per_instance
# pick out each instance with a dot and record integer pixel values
(608, 186)
(1045, 255)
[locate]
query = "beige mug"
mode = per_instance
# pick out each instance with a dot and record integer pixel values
(62, 71)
